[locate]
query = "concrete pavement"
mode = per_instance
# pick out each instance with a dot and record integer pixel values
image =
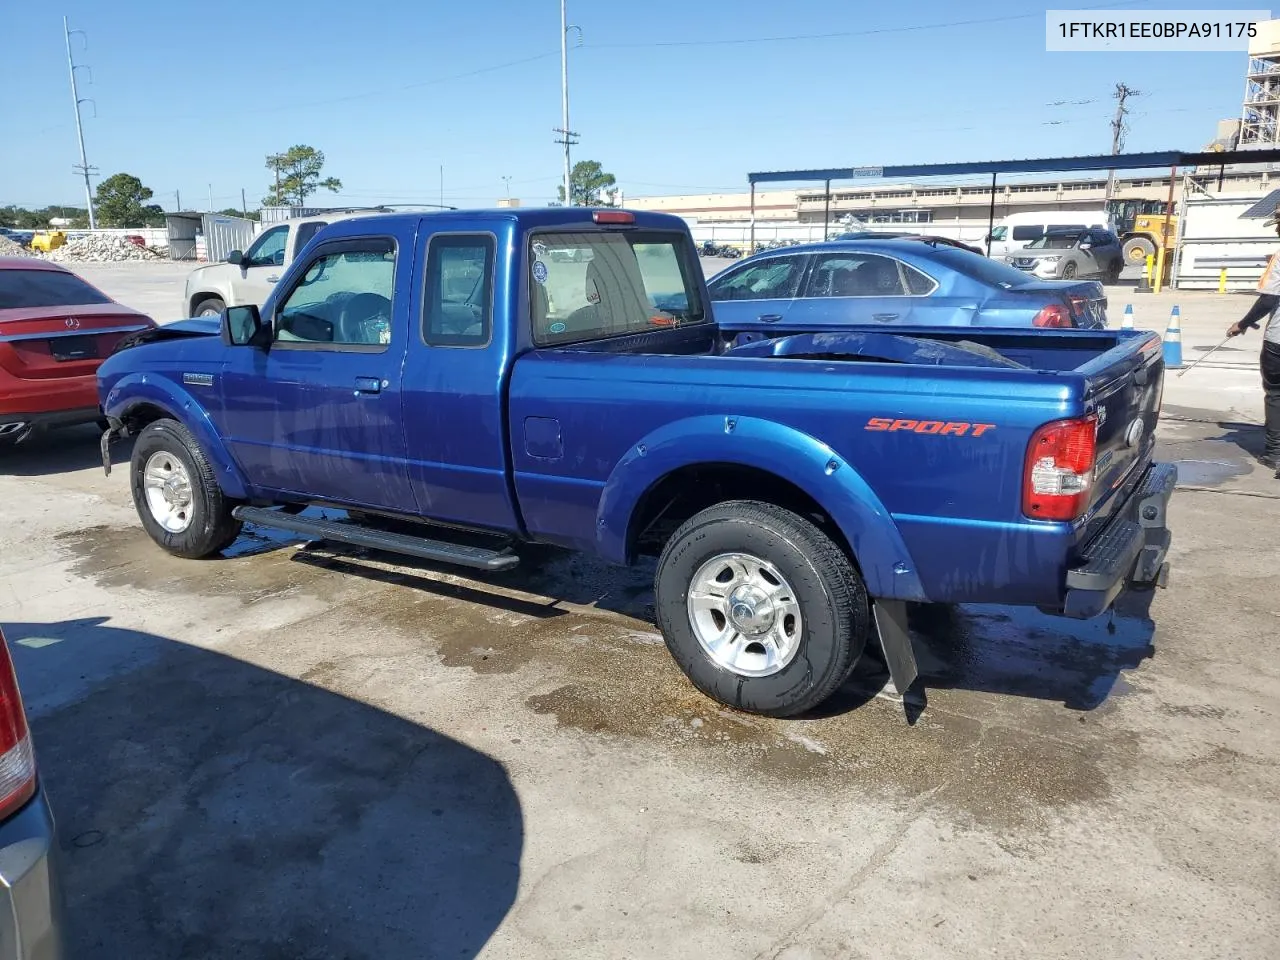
(301, 751)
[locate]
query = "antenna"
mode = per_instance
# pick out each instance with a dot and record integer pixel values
(83, 166)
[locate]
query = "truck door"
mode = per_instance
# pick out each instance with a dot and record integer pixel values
(261, 267)
(319, 412)
(456, 430)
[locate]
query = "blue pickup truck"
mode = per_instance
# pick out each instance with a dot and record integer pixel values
(464, 383)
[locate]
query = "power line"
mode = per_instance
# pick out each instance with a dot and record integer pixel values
(844, 34)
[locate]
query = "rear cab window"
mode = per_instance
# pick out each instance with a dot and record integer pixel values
(25, 289)
(591, 285)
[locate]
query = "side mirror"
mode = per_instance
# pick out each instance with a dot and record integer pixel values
(242, 326)
(235, 257)
(1086, 245)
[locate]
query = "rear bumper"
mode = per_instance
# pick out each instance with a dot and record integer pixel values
(16, 426)
(1129, 552)
(31, 923)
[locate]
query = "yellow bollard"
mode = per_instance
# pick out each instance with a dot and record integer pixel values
(1222, 280)
(1159, 280)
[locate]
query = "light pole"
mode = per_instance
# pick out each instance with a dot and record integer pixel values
(506, 182)
(566, 135)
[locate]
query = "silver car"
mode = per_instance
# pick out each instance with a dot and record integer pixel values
(30, 897)
(1065, 254)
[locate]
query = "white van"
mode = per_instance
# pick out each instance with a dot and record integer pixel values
(1018, 229)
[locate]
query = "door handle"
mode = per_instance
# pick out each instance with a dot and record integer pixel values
(884, 316)
(273, 279)
(368, 385)
(769, 317)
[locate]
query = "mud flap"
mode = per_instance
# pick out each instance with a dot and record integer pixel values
(895, 642)
(115, 426)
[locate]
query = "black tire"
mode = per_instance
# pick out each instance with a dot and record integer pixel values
(209, 305)
(1137, 249)
(832, 599)
(1114, 271)
(1069, 272)
(212, 527)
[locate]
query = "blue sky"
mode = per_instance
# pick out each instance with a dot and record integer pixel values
(672, 96)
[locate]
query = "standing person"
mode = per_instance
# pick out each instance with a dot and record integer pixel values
(1268, 305)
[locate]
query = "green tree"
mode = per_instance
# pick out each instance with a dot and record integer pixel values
(233, 212)
(590, 185)
(297, 176)
(121, 202)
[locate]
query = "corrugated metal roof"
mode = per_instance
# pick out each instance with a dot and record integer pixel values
(1122, 161)
(1264, 207)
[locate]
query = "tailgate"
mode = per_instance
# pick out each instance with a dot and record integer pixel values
(1124, 387)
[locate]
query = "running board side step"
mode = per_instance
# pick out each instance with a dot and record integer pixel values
(478, 558)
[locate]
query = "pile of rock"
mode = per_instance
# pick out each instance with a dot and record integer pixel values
(100, 249)
(10, 249)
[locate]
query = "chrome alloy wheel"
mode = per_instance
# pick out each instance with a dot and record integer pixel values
(167, 487)
(744, 614)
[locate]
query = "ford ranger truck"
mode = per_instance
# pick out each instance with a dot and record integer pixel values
(469, 382)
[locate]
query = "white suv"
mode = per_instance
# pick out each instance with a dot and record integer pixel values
(247, 277)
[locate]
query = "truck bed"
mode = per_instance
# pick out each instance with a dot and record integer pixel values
(940, 452)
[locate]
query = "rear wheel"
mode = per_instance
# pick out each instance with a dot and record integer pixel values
(209, 307)
(181, 506)
(1137, 249)
(760, 609)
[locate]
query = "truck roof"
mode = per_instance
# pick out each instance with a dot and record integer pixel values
(531, 217)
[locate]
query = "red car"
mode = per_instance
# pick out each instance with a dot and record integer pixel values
(54, 331)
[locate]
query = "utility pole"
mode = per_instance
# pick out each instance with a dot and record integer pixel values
(177, 200)
(83, 167)
(211, 198)
(567, 136)
(244, 206)
(442, 186)
(506, 181)
(1119, 128)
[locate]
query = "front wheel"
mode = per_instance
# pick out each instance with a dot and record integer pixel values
(209, 307)
(1069, 272)
(760, 609)
(177, 497)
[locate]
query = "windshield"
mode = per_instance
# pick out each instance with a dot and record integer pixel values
(999, 233)
(45, 288)
(1055, 241)
(596, 284)
(986, 271)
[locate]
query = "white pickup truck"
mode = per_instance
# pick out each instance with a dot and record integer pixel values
(246, 277)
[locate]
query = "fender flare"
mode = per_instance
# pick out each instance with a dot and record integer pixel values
(791, 454)
(135, 389)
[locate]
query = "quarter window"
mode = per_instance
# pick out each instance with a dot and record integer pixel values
(342, 300)
(457, 308)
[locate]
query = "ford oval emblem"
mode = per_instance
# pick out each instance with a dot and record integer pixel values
(1133, 435)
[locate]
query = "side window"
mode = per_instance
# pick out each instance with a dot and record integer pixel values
(268, 249)
(458, 303)
(1028, 231)
(856, 275)
(343, 298)
(775, 278)
(305, 232)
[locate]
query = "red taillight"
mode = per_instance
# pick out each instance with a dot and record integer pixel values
(17, 761)
(613, 216)
(1054, 315)
(1059, 469)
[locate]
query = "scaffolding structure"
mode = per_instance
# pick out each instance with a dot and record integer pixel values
(1260, 113)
